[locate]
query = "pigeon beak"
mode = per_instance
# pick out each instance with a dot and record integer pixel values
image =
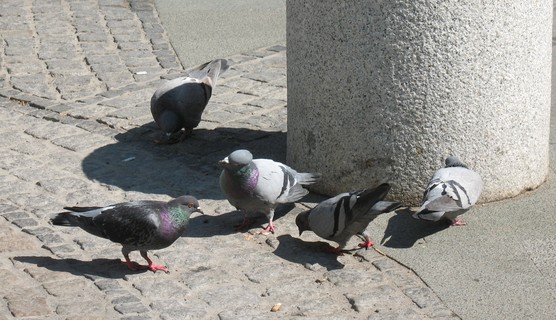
(222, 163)
(199, 210)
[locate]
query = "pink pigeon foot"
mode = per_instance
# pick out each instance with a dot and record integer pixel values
(367, 244)
(458, 223)
(270, 229)
(152, 266)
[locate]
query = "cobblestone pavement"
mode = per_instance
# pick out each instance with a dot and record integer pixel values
(76, 77)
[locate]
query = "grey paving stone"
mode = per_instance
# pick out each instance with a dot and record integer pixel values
(38, 231)
(11, 216)
(82, 141)
(385, 264)
(225, 296)
(50, 238)
(346, 277)
(25, 223)
(28, 306)
(127, 308)
(179, 309)
(422, 296)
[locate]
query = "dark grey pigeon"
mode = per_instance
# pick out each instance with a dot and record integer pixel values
(451, 192)
(260, 185)
(179, 103)
(341, 217)
(138, 225)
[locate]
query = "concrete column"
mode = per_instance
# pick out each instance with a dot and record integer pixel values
(383, 91)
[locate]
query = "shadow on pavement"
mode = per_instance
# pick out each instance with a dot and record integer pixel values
(106, 268)
(137, 163)
(403, 231)
(224, 224)
(306, 253)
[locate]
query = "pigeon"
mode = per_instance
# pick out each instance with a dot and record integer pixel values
(260, 185)
(451, 191)
(179, 103)
(137, 225)
(349, 213)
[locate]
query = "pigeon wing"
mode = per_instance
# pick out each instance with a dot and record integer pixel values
(358, 211)
(452, 189)
(134, 223)
(277, 182)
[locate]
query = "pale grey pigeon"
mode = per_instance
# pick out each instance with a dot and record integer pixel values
(260, 185)
(341, 217)
(179, 103)
(451, 191)
(138, 225)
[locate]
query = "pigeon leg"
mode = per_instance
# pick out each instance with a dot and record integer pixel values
(152, 266)
(132, 265)
(270, 228)
(367, 241)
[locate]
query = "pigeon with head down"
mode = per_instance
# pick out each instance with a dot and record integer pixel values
(179, 103)
(345, 215)
(260, 185)
(452, 191)
(137, 225)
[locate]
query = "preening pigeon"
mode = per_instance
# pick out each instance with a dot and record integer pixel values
(138, 225)
(179, 103)
(341, 217)
(451, 192)
(260, 185)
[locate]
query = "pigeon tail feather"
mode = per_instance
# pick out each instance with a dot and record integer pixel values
(81, 209)
(308, 178)
(386, 206)
(211, 70)
(64, 219)
(296, 192)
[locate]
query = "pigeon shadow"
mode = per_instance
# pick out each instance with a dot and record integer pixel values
(105, 268)
(205, 226)
(403, 230)
(306, 253)
(136, 163)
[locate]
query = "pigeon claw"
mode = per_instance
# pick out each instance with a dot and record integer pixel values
(268, 230)
(367, 244)
(174, 138)
(457, 223)
(154, 267)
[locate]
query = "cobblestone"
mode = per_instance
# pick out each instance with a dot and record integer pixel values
(74, 106)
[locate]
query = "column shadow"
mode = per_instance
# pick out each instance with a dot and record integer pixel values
(135, 162)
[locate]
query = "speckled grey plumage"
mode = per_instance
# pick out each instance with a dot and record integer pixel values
(138, 225)
(451, 191)
(179, 103)
(341, 217)
(260, 185)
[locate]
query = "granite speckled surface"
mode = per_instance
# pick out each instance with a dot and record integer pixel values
(385, 91)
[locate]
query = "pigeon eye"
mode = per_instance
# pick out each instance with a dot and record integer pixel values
(190, 205)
